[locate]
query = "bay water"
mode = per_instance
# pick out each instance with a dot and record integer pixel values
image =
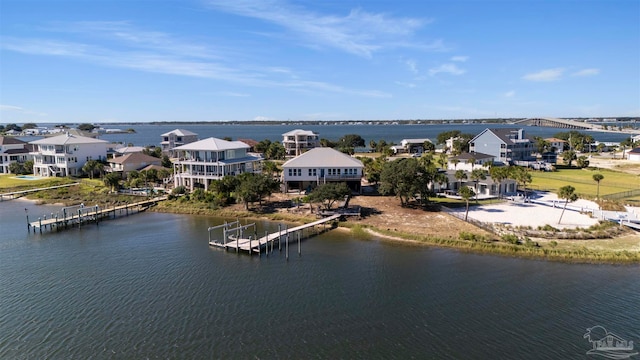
(149, 286)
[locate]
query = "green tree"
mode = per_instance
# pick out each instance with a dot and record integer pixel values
(166, 162)
(428, 146)
(597, 178)
(442, 138)
(112, 180)
(466, 193)
(351, 141)
(16, 168)
(329, 193)
(568, 194)
(28, 167)
(541, 145)
(399, 178)
(499, 174)
(582, 162)
(460, 175)
(275, 151)
(568, 157)
(270, 168)
(522, 176)
(91, 167)
(442, 160)
(252, 187)
(29, 126)
(476, 176)
(86, 127)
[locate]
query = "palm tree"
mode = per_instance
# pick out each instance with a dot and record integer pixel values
(460, 175)
(597, 178)
(467, 193)
(476, 176)
(455, 163)
(568, 193)
(498, 173)
(112, 180)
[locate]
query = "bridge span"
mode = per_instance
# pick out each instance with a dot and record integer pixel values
(558, 123)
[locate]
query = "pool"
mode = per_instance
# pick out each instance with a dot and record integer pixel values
(28, 177)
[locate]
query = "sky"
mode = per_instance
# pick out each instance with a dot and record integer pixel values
(103, 61)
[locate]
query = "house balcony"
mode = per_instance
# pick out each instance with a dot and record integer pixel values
(342, 177)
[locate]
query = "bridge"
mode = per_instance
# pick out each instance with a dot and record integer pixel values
(558, 123)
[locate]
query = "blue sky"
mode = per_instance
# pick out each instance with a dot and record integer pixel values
(209, 60)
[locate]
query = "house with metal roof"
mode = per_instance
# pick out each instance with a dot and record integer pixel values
(297, 141)
(467, 161)
(175, 138)
(319, 166)
(66, 154)
(199, 163)
(506, 145)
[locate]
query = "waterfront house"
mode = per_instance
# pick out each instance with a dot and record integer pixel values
(506, 145)
(66, 154)
(319, 166)
(199, 163)
(132, 161)
(485, 189)
(297, 141)
(12, 150)
(634, 155)
(413, 145)
(175, 138)
(467, 161)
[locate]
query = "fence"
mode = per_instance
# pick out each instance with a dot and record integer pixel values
(622, 195)
(480, 224)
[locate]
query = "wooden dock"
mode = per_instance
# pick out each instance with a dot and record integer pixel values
(80, 215)
(16, 194)
(233, 236)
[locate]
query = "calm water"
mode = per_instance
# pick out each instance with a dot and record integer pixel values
(149, 286)
(150, 134)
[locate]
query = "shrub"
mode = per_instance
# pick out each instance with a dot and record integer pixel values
(510, 238)
(179, 190)
(553, 243)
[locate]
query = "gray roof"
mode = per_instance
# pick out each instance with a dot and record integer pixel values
(300, 132)
(179, 132)
(213, 144)
(68, 139)
(323, 157)
(134, 158)
(502, 134)
(475, 155)
(10, 140)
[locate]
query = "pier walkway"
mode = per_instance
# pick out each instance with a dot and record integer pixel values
(250, 244)
(80, 214)
(15, 194)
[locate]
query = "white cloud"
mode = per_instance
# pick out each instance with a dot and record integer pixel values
(586, 72)
(545, 75)
(263, 118)
(232, 94)
(452, 69)
(10, 108)
(412, 65)
(460, 58)
(510, 94)
(360, 32)
(409, 85)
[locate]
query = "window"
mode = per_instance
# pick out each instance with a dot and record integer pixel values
(312, 172)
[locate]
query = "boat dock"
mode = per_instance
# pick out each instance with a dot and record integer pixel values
(233, 236)
(16, 194)
(80, 214)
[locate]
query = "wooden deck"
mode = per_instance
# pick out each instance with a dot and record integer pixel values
(254, 245)
(79, 215)
(15, 194)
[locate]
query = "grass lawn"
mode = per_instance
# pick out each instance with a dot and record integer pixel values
(9, 183)
(582, 180)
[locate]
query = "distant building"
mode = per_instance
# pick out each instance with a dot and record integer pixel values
(175, 138)
(199, 163)
(12, 150)
(634, 155)
(506, 145)
(66, 154)
(319, 166)
(297, 141)
(413, 145)
(557, 145)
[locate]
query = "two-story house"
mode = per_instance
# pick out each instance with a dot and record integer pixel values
(319, 166)
(175, 138)
(66, 154)
(506, 145)
(132, 161)
(12, 150)
(297, 141)
(199, 163)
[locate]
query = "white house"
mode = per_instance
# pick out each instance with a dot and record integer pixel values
(175, 138)
(319, 166)
(12, 150)
(634, 155)
(66, 154)
(468, 161)
(506, 145)
(414, 145)
(558, 144)
(201, 162)
(297, 141)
